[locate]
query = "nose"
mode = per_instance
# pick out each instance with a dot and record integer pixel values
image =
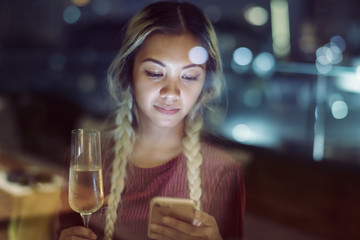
(170, 91)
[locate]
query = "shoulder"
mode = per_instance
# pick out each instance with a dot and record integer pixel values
(218, 159)
(222, 178)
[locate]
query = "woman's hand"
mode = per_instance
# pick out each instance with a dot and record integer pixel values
(77, 233)
(203, 227)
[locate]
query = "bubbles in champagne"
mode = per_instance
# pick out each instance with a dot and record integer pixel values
(86, 190)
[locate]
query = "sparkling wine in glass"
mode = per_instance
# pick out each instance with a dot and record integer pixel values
(86, 194)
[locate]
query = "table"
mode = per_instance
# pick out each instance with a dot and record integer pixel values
(29, 197)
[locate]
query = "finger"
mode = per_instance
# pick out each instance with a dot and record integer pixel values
(202, 218)
(77, 232)
(197, 222)
(180, 227)
(161, 232)
(208, 224)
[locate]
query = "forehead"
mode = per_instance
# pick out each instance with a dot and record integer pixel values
(168, 45)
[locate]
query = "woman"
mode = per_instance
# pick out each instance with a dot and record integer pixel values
(166, 74)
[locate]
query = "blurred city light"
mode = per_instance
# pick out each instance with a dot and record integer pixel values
(348, 82)
(339, 109)
(242, 56)
(80, 3)
(280, 27)
(339, 42)
(318, 149)
(264, 64)
(71, 14)
(323, 68)
(348, 78)
(242, 133)
(329, 54)
(255, 15)
(198, 55)
(251, 131)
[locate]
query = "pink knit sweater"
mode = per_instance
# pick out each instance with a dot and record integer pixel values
(222, 185)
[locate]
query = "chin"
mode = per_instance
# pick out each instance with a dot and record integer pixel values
(168, 124)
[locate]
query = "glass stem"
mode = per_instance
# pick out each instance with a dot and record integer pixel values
(86, 218)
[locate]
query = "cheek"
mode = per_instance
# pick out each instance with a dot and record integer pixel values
(193, 95)
(140, 95)
(144, 94)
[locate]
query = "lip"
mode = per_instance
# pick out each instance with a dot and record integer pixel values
(167, 110)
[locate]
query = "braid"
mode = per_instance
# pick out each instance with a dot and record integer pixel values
(124, 138)
(192, 147)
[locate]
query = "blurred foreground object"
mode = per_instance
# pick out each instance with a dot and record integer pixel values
(29, 198)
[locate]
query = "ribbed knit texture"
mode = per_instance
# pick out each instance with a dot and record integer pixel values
(222, 185)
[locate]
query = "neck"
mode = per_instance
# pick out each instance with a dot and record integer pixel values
(156, 146)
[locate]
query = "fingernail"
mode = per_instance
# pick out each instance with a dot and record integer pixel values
(197, 222)
(93, 236)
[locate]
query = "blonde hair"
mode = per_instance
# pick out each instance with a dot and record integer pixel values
(167, 18)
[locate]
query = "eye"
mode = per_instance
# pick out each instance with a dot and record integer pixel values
(190, 78)
(153, 74)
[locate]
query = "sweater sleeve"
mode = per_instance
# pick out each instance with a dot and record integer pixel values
(228, 203)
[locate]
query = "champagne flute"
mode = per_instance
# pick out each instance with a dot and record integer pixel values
(86, 194)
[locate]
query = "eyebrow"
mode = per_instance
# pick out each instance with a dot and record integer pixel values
(164, 65)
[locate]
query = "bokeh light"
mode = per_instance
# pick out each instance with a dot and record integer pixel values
(71, 14)
(242, 133)
(280, 27)
(349, 82)
(255, 15)
(339, 42)
(264, 64)
(329, 54)
(323, 68)
(80, 3)
(339, 109)
(198, 55)
(242, 56)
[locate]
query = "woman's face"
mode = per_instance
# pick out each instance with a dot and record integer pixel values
(166, 83)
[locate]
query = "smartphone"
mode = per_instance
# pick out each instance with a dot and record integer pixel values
(180, 208)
